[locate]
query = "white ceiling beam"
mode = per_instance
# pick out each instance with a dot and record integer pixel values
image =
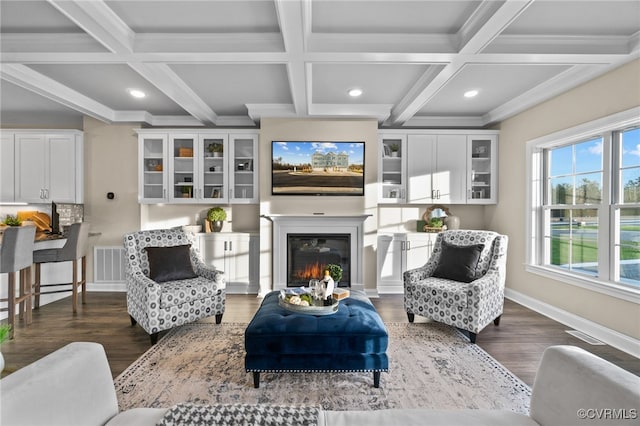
(208, 42)
(381, 112)
(475, 42)
(99, 21)
(51, 43)
(290, 18)
(42, 85)
(257, 111)
(311, 57)
(444, 122)
(159, 57)
(484, 26)
(395, 43)
(165, 79)
(554, 44)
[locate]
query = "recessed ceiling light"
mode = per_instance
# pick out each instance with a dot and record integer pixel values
(355, 92)
(137, 93)
(470, 93)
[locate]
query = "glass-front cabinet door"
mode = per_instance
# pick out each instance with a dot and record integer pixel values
(481, 175)
(152, 152)
(213, 150)
(183, 168)
(244, 174)
(392, 169)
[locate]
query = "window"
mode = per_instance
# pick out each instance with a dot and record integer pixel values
(584, 205)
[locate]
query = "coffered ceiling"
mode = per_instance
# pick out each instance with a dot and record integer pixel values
(231, 63)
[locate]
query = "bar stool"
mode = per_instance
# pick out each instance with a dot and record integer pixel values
(16, 255)
(72, 251)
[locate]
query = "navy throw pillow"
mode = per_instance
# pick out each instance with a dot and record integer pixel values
(458, 263)
(170, 263)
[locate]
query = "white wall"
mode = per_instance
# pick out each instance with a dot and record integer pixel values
(616, 91)
(318, 130)
(110, 153)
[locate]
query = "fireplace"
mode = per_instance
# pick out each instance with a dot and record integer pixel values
(307, 254)
(332, 238)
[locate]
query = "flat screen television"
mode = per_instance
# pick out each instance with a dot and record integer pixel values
(317, 168)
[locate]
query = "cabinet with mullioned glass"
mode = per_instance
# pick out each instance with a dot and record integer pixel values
(198, 167)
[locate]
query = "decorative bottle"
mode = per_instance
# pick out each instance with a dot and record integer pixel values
(328, 285)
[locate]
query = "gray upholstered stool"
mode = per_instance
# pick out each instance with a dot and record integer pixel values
(73, 250)
(16, 255)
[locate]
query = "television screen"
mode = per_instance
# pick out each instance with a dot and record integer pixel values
(317, 168)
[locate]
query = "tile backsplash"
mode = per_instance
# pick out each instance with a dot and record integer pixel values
(70, 213)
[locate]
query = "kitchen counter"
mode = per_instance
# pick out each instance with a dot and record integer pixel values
(42, 236)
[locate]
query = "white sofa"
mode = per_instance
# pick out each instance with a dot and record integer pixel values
(73, 386)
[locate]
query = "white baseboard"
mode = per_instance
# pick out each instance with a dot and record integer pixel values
(390, 289)
(117, 287)
(371, 292)
(611, 337)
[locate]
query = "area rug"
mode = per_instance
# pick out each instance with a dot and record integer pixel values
(430, 366)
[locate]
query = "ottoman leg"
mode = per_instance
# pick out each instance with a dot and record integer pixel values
(256, 379)
(376, 379)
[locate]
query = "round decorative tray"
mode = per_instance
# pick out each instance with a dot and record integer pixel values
(309, 310)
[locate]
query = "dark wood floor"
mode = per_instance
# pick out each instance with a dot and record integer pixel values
(517, 343)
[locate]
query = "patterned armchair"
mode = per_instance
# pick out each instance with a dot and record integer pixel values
(471, 305)
(169, 301)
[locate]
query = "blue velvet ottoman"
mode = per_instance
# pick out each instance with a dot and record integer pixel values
(352, 339)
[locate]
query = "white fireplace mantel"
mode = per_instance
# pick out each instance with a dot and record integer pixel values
(317, 224)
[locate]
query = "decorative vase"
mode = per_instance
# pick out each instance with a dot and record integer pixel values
(216, 225)
(452, 222)
(328, 285)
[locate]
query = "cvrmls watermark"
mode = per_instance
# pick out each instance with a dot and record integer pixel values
(608, 413)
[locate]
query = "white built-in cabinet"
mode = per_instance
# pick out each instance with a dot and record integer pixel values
(237, 254)
(47, 166)
(444, 167)
(399, 252)
(195, 167)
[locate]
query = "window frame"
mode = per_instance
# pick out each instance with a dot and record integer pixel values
(535, 208)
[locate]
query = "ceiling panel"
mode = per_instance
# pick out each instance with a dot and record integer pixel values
(197, 16)
(402, 17)
(17, 99)
(109, 84)
(575, 18)
(21, 108)
(496, 84)
(380, 83)
(226, 88)
(33, 16)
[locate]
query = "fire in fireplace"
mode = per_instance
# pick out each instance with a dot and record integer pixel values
(307, 254)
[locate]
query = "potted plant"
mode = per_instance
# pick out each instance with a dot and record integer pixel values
(394, 147)
(5, 332)
(216, 217)
(335, 271)
(216, 149)
(436, 222)
(12, 221)
(186, 192)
